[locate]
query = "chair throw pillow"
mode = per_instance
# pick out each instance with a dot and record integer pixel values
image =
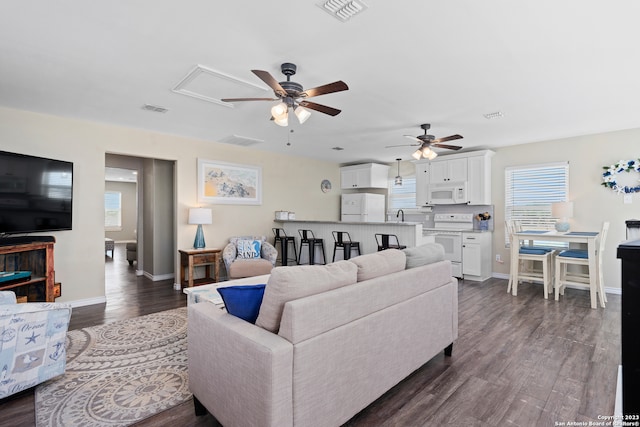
(249, 249)
(243, 301)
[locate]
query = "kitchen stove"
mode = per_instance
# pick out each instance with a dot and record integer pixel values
(447, 230)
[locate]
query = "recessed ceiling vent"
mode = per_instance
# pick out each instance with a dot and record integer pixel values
(242, 141)
(342, 10)
(154, 108)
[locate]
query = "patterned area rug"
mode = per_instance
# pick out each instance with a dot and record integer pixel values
(119, 373)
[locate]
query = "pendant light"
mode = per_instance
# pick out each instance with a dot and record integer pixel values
(398, 180)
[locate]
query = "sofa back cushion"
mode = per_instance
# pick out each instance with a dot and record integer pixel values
(379, 264)
(424, 254)
(290, 283)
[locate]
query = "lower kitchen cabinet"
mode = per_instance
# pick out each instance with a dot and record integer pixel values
(476, 256)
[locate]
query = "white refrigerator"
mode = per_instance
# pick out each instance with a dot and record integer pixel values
(363, 207)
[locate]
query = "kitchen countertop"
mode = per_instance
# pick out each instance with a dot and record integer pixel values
(348, 222)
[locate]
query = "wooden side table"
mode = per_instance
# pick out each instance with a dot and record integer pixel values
(190, 258)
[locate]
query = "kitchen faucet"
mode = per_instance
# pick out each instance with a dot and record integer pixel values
(398, 214)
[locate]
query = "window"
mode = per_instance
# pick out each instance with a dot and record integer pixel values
(530, 191)
(58, 185)
(402, 196)
(112, 210)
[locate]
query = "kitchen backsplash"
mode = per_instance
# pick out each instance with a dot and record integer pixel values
(426, 218)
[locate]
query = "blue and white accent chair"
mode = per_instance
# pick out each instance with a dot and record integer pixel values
(528, 255)
(573, 257)
(248, 256)
(32, 342)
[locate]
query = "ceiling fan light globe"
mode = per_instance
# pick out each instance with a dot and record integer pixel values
(279, 111)
(417, 154)
(432, 155)
(302, 114)
(282, 121)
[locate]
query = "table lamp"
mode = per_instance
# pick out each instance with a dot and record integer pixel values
(562, 211)
(199, 216)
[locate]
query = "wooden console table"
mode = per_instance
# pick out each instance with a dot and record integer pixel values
(35, 255)
(190, 258)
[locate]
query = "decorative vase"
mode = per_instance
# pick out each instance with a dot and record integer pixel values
(484, 224)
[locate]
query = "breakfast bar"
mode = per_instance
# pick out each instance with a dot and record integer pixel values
(409, 233)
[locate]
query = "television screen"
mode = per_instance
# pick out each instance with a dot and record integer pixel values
(35, 194)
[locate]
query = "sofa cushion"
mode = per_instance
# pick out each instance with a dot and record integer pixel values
(248, 249)
(249, 268)
(243, 301)
(379, 264)
(290, 283)
(424, 254)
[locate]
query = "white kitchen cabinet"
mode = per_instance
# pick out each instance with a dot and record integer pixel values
(476, 256)
(422, 183)
(448, 170)
(479, 174)
(368, 175)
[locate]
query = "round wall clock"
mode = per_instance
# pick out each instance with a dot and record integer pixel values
(325, 185)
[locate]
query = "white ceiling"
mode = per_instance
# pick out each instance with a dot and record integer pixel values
(554, 68)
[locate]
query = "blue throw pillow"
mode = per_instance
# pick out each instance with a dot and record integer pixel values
(249, 249)
(243, 301)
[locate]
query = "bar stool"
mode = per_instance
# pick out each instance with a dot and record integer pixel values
(285, 241)
(311, 241)
(388, 241)
(343, 241)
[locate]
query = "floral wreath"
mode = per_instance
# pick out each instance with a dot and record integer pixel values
(609, 175)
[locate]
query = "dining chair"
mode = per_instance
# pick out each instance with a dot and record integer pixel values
(580, 257)
(527, 256)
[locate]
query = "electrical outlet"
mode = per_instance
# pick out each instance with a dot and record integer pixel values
(499, 258)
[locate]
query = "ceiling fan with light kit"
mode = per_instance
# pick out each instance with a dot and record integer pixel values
(293, 96)
(426, 142)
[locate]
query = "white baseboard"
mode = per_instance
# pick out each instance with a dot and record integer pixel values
(159, 277)
(88, 301)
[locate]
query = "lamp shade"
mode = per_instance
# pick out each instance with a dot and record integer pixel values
(562, 210)
(200, 216)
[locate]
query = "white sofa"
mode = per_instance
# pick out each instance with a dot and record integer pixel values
(330, 354)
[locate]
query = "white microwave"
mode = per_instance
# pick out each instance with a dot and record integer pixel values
(448, 193)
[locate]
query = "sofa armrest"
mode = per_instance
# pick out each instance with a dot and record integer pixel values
(240, 372)
(269, 252)
(229, 254)
(7, 297)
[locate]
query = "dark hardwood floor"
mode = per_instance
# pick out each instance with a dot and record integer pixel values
(520, 361)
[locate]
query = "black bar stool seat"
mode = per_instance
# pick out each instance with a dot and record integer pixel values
(307, 238)
(281, 238)
(388, 241)
(343, 242)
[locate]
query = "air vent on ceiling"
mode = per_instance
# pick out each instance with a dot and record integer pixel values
(242, 141)
(495, 115)
(338, 148)
(154, 108)
(342, 10)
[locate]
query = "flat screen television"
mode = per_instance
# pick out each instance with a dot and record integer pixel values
(36, 194)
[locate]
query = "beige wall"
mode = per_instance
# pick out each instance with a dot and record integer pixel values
(129, 210)
(289, 183)
(593, 203)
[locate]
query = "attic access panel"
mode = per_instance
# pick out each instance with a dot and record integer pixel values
(211, 85)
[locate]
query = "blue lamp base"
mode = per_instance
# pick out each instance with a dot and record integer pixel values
(198, 243)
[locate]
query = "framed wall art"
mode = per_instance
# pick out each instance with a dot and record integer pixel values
(229, 183)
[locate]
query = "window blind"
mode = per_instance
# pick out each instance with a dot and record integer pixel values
(112, 209)
(402, 196)
(530, 191)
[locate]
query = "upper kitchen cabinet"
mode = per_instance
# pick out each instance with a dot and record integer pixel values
(448, 170)
(479, 174)
(368, 175)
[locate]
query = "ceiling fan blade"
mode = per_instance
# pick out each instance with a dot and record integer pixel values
(248, 99)
(269, 80)
(324, 89)
(414, 138)
(319, 107)
(450, 147)
(447, 138)
(402, 145)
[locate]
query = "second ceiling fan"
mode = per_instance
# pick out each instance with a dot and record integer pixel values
(293, 95)
(425, 142)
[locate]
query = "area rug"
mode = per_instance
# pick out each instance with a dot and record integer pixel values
(119, 373)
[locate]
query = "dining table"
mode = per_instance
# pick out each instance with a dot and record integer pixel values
(590, 238)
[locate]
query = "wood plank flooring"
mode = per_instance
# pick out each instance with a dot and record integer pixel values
(518, 361)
